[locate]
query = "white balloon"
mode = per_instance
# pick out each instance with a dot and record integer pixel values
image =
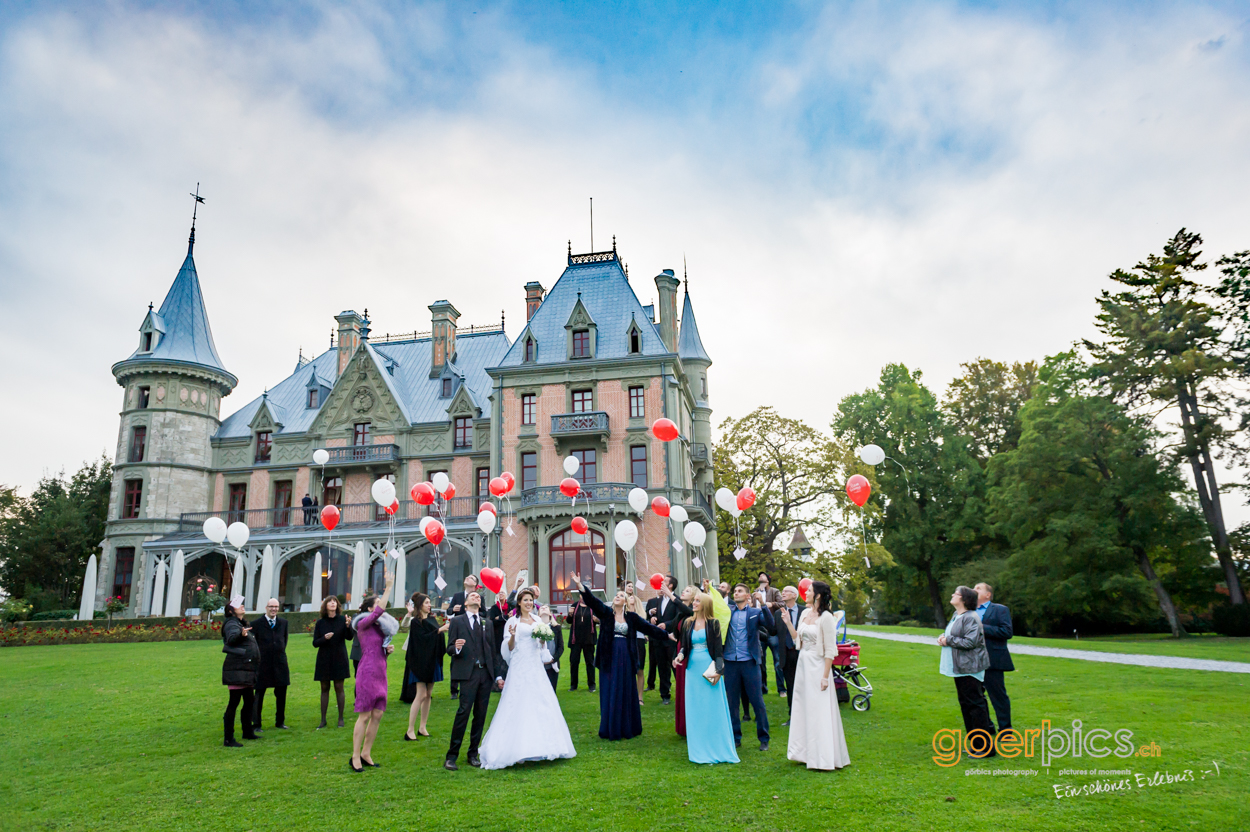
(735, 511)
(726, 499)
(237, 534)
(872, 454)
(695, 534)
(486, 521)
(571, 464)
(626, 534)
(638, 500)
(321, 456)
(425, 521)
(678, 513)
(440, 482)
(215, 529)
(383, 492)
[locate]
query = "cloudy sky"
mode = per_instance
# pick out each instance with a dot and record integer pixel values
(851, 183)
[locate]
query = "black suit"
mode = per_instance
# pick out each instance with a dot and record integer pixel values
(996, 624)
(663, 651)
(789, 650)
(456, 607)
(274, 671)
(475, 668)
(582, 623)
(556, 648)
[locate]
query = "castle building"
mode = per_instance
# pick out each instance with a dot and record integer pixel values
(591, 370)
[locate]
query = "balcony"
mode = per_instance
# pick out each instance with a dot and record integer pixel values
(602, 492)
(454, 511)
(594, 423)
(698, 452)
(362, 454)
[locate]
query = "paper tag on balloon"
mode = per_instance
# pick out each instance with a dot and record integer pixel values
(740, 553)
(676, 545)
(599, 567)
(510, 532)
(440, 583)
(640, 585)
(698, 564)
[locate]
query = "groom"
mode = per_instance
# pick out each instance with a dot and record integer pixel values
(477, 668)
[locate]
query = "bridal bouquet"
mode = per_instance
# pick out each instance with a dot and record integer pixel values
(542, 632)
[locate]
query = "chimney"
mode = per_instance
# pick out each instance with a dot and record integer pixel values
(350, 328)
(667, 285)
(443, 318)
(533, 298)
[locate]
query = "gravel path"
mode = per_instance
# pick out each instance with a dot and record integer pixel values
(1176, 662)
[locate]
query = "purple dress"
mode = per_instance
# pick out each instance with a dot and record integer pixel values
(371, 675)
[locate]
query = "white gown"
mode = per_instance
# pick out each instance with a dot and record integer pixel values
(528, 724)
(816, 736)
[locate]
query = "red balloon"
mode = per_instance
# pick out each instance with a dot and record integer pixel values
(660, 506)
(804, 586)
(507, 477)
(492, 579)
(858, 489)
(487, 505)
(330, 517)
(392, 508)
(498, 486)
(450, 492)
(434, 532)
(423, 493)
(746, 499)
(570, 487)
(664, 430)
(580, 525)
(657, 581)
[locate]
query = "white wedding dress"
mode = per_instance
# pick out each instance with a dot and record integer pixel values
(528, 724)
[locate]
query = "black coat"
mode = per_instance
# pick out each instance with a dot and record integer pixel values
(456, 606)
(783, 632)
(607, 631)
(274, 671)
(242, 654)
(332, 653)
(479, 649)
(582, 623)
(670, 615)
(715, 646)
(426, 647)
(556, 647)
(997, 627)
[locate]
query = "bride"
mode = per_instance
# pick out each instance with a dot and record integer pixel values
(528, 724)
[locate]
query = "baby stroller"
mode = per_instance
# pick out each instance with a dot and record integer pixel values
(848, 674)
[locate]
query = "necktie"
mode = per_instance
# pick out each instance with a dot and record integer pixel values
(473, 623)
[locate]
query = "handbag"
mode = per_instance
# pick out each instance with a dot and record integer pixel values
(710, 674)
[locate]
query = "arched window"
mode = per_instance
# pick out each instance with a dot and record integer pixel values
(573, 552)
(530, 351)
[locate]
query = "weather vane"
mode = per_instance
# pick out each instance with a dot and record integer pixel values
(199, 200)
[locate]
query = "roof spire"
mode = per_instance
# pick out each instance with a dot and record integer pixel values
(685, 275)
(501, 320)
(199, 200)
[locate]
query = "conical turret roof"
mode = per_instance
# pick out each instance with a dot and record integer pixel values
(689, 344)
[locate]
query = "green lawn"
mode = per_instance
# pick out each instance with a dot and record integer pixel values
(128, 736)
(1155, 644)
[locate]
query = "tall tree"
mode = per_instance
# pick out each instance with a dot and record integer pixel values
(792, 468)
(983, 403)
(931, 486)
(1163, 347)
(1085, 502)
(46, 539)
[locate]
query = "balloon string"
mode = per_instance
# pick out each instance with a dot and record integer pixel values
(864, 535)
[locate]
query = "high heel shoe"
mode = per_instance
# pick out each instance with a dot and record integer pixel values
(408, 738)
(423, 733)
(370, 764)
(352, 766)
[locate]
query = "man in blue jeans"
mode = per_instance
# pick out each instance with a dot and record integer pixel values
(742, 662)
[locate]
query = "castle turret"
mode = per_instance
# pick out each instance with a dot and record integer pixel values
(173, 384)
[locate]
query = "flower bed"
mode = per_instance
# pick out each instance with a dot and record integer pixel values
(184, 630)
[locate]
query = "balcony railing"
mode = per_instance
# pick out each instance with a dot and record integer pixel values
(455, 510)
(567, 424)
(602, 492)
(355, 454)
(702, 502)
(698, 452)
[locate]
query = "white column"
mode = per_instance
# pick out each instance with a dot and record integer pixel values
(173, 600)
(360, 566)
(86, 607)
(158, 589)
(400, 596)
(237, 584)
(316, 584)
(265, 590)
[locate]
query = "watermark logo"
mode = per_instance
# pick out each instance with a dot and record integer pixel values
(951, 744)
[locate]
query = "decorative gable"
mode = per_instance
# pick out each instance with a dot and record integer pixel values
(266, 417)
(582, 332)
(462, 404)
(360, 394)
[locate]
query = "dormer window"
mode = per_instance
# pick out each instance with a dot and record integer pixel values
(447, 388)
(531, 349)
(581, 343)
(147, 342)
(635, 342)
(314, 396)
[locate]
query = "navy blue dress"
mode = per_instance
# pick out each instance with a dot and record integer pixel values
(620, 717)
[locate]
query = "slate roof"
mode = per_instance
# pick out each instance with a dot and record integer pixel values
(689, 344)
(416, 393)
(799, 541)
(182, 318)
(611, 302)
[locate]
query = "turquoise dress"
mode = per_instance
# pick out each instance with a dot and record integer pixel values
(709, 733)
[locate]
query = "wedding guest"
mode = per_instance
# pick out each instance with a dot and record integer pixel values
(684, 611)
(724, 589)
(583, 629)
(620, 716)
(271, 634)
(816, 736)
(370, 677)
(456, 607)
(772, 597)
(238, 670)
(661, 612)
(330, 637)
(478, 669)
(996, 624)
(423, 664)
(556, 648)
(308, 510)
(709, 730)
(965, 658)
(500, 612)
(791, 609)
(742, 661)
(634, 605)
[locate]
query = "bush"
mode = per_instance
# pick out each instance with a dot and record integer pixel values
(1229, 620)
(910, 622)
(14, 609)
(52, 615)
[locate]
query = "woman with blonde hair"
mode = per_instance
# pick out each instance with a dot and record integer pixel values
(709, 731)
